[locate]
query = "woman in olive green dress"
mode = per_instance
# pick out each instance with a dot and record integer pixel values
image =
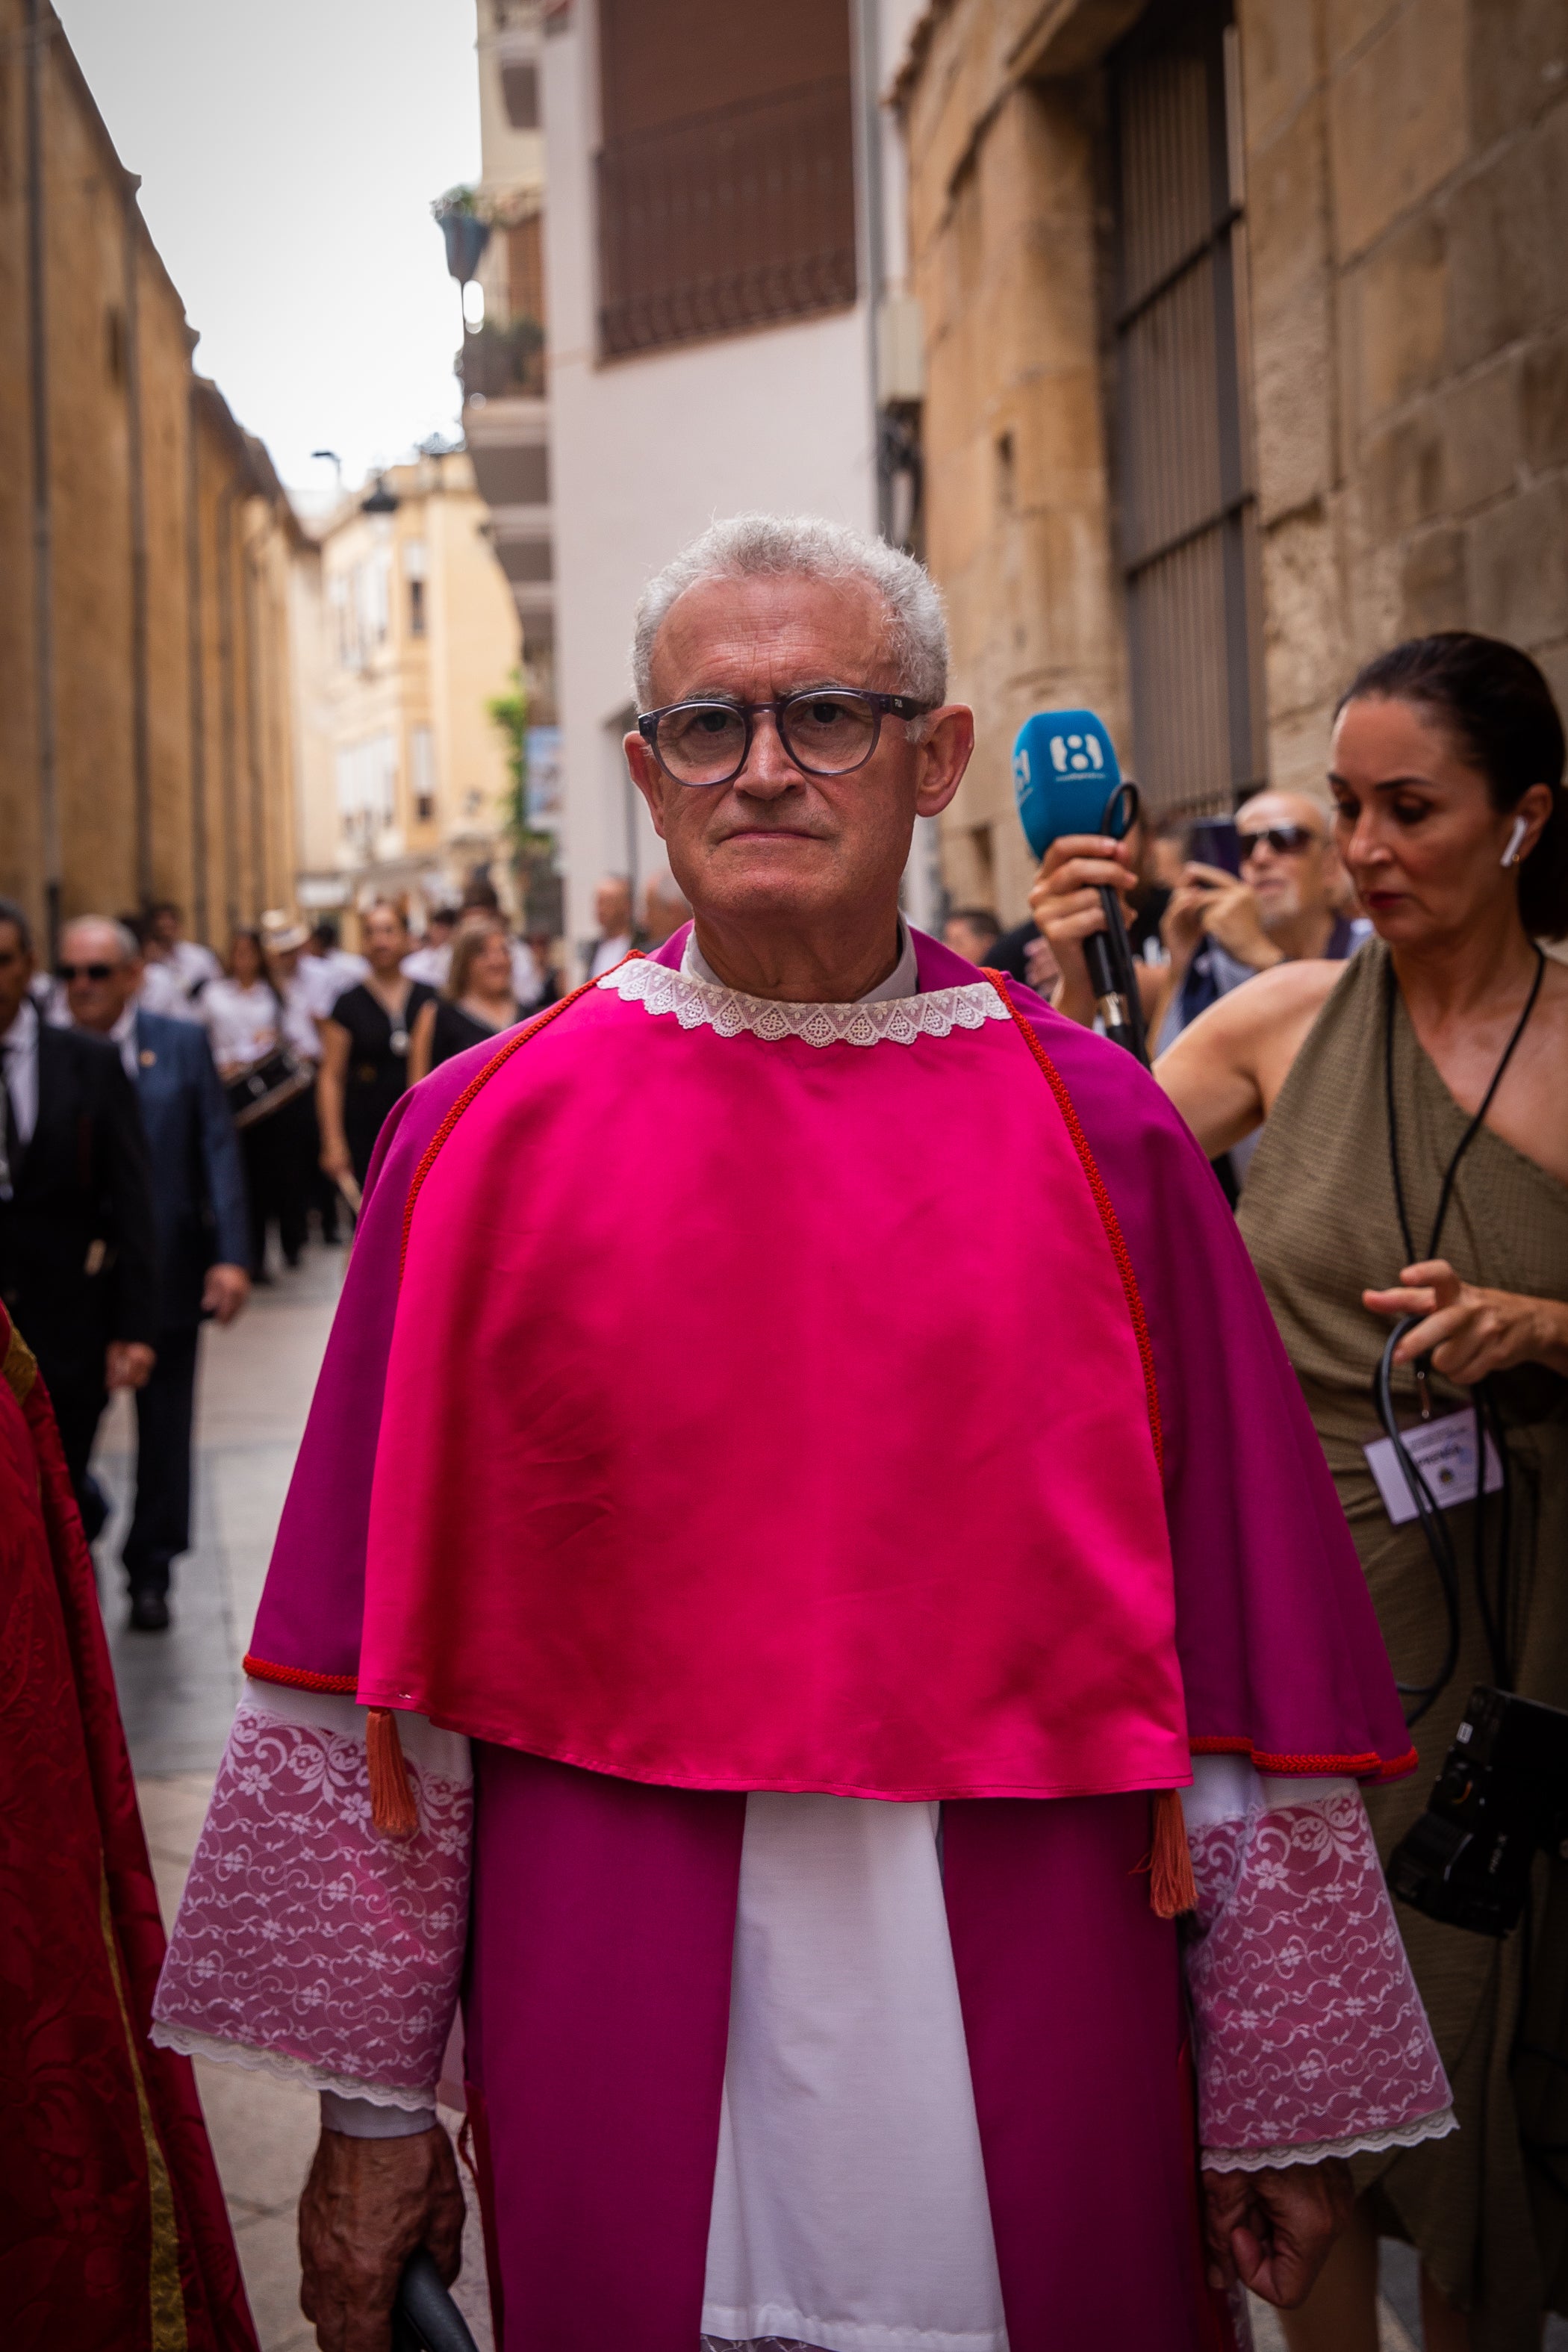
(1371, 1081)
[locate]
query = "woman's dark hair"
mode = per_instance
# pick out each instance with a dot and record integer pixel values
(244, 932)
(1499, 707)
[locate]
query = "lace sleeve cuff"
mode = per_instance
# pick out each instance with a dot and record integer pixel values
(1311, 2038)
(307, 1945)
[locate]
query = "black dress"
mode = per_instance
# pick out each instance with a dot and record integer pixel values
(377, 1070)
(456, 1031)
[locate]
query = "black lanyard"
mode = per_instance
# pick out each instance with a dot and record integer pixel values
(1445, 1192)
(1495, 1608)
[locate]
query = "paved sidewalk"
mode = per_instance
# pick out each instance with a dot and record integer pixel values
(177, 1693)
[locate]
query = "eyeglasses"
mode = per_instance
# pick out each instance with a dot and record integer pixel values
(827, 730)
(70, 972)
(1284, 840)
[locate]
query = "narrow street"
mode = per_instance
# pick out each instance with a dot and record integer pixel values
(177, 1692)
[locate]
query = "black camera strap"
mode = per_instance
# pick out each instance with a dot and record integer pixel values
(1494, 1618)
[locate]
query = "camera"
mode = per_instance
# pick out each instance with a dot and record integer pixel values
(1501, 1798)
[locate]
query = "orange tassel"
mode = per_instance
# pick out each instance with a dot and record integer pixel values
(392, 1808)
(1171, 1889)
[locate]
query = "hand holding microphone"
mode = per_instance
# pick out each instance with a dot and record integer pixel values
(1068, 781)
(1065, 901)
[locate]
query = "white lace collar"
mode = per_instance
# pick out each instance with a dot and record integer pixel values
(874, 1020)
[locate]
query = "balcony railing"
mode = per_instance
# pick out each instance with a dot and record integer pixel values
(497, 361)
(727, 220)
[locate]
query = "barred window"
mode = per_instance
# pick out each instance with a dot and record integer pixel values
(1189, 530)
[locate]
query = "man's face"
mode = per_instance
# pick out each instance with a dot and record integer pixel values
(1295, 880)
(613, 908)
(15, 972)
(165, 927)
(100, 979)
(777, 845)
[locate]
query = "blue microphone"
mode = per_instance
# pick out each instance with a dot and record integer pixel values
(1065, 770)
(1068, 779)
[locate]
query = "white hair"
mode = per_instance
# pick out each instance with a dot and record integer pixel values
(763, 546)
(124, 938)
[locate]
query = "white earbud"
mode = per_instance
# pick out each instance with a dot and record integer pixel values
(1521, 827)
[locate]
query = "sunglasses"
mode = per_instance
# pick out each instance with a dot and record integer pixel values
(70, 972)
(827, 730)
(1284, 840)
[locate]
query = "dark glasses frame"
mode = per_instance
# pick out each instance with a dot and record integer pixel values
(882, 706)
(70, 972)
(1284, 840)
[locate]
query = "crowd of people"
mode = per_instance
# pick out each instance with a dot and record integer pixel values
(1360, 1023)
(163, 1113)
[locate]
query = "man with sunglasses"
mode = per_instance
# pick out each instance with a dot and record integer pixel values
(199, 1208)
(77, 1256)
(1288, 902)
(777, 1731)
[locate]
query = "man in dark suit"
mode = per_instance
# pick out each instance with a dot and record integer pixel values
(198, 1199)
(77, 1268)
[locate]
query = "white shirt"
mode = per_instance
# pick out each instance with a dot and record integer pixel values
(431, 964)
(609, 952)
(241, 1023)
(323, 979)
(19, 1054)
(123, 1035)
(169, 978)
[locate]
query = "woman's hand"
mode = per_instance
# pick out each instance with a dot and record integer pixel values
(335, 1162)
(1065, 904)
(1469, 1331)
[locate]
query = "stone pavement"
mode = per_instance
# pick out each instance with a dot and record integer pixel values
(177, 1692)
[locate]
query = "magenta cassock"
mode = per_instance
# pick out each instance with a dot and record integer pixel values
(599, 1969)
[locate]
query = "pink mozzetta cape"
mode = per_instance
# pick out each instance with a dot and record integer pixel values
(757, 1413)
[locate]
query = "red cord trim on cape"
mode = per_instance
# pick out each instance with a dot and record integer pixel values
(1368, 1766)
(481, 1079)
(1103, 1202)
(262, 1669)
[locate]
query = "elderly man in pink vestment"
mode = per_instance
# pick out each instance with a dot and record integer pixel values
(875, 1774)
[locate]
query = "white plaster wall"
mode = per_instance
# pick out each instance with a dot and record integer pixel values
(644, 453)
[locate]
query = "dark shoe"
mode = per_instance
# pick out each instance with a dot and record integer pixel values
(149, 1613)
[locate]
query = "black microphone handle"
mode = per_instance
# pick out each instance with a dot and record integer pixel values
(426, 2318)
(1114, 979)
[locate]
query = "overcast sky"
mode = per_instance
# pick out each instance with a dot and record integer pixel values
(288, 154)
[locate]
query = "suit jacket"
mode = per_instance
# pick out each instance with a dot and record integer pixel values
(77, 1265)
(198, 1178)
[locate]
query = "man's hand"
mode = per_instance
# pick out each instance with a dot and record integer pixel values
(225, 1292)
(1209, 903)
(1273, 2229)
(1469, 1331)
(365, 2207)
(128, 1364)
(335, 1160)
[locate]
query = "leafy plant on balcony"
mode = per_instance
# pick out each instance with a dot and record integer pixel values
(509, 713)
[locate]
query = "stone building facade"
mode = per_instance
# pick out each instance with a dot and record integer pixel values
(147, 551)
(1247, 336)
(412, 635)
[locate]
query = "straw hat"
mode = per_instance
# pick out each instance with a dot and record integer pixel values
(279, 933)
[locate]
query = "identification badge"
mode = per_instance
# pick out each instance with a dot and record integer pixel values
(1444, 1453)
